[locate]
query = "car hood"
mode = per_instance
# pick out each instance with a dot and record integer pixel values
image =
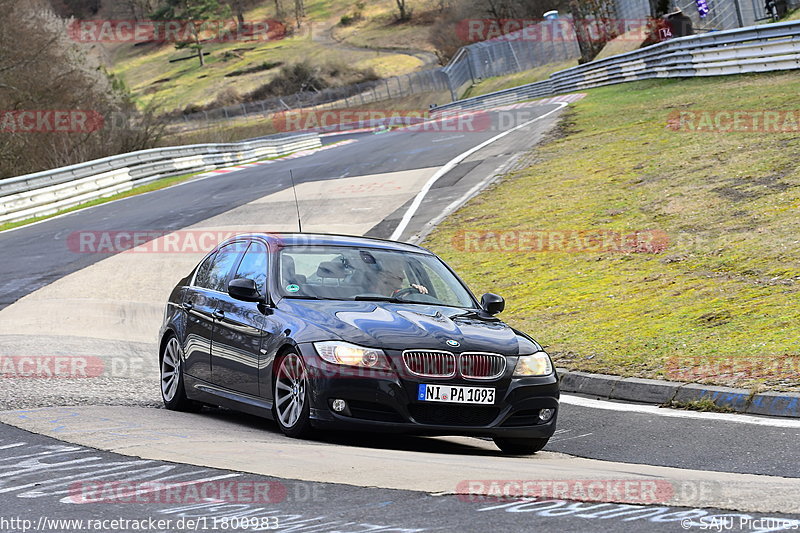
(395, 326)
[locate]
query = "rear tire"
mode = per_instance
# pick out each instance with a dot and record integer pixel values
(291, 396)
(520, 446)
(173, 391)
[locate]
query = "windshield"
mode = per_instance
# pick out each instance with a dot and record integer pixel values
(349, 273)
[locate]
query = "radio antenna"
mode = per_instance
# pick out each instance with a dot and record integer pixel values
(296, 203)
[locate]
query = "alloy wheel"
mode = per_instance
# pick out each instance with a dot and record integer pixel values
(290, 390)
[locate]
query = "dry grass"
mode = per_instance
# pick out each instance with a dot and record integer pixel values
(499, 83)
(240, 129)
(719, 304)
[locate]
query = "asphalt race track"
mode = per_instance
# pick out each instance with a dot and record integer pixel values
(58, 299)
(37, 484)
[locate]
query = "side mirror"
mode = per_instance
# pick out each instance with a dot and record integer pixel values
(492, 303)
(244, 289)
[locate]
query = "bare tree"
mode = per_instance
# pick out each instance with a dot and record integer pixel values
(238, 7)
(501, 9)
(594, 25)
(141, 9)
(75, 8)
(196, 14)
(299, 11)
(42, 70)
(529, 9)
(404, 13)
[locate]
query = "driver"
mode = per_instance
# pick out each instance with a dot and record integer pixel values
(390, 281)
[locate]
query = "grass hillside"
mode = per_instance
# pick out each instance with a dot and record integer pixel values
(377, 26)
(374, 45)
(720, 302)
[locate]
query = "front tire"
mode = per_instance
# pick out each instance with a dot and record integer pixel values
(520, 446)
(291, 394)
(173, 391)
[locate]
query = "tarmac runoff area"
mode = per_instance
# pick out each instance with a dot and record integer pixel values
(221, 439)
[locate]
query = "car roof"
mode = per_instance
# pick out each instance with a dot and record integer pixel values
(324, 239)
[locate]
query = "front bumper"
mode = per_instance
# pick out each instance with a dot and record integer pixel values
(386, 401)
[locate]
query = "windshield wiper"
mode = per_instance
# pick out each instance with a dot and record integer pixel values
(391, 299)
(293, 297)
(377, 298)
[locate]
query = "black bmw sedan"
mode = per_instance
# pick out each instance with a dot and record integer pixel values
(333, 332)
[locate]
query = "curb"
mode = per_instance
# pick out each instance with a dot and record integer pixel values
(661, 392)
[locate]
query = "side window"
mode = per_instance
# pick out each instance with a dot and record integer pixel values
(223, 264)
(254, 266)
(203, 271)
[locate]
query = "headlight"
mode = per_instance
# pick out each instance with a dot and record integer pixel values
(344, 353)
(537, 364)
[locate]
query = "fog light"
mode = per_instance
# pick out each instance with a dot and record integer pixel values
(546, 414)
(340, 405)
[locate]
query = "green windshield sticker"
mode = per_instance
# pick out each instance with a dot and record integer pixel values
(293, 288)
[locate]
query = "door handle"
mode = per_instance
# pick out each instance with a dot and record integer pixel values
(219, 314)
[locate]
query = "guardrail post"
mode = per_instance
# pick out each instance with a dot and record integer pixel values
(453, 90)
(514, 55)
(738, 13)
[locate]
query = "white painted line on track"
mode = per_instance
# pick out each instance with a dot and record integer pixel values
(591, 403)
(398, 232)
(419, 237)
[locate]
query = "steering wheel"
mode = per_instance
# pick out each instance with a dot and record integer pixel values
(403, 292)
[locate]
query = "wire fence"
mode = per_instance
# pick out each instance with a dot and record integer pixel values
(497, 57)
(508, 54)
(359, 94)
(762, 48)
(722, 14)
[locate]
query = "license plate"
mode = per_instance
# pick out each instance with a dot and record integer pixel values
(455, 394)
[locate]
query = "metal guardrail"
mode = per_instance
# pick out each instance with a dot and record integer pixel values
(766, 48)
(48, 192)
